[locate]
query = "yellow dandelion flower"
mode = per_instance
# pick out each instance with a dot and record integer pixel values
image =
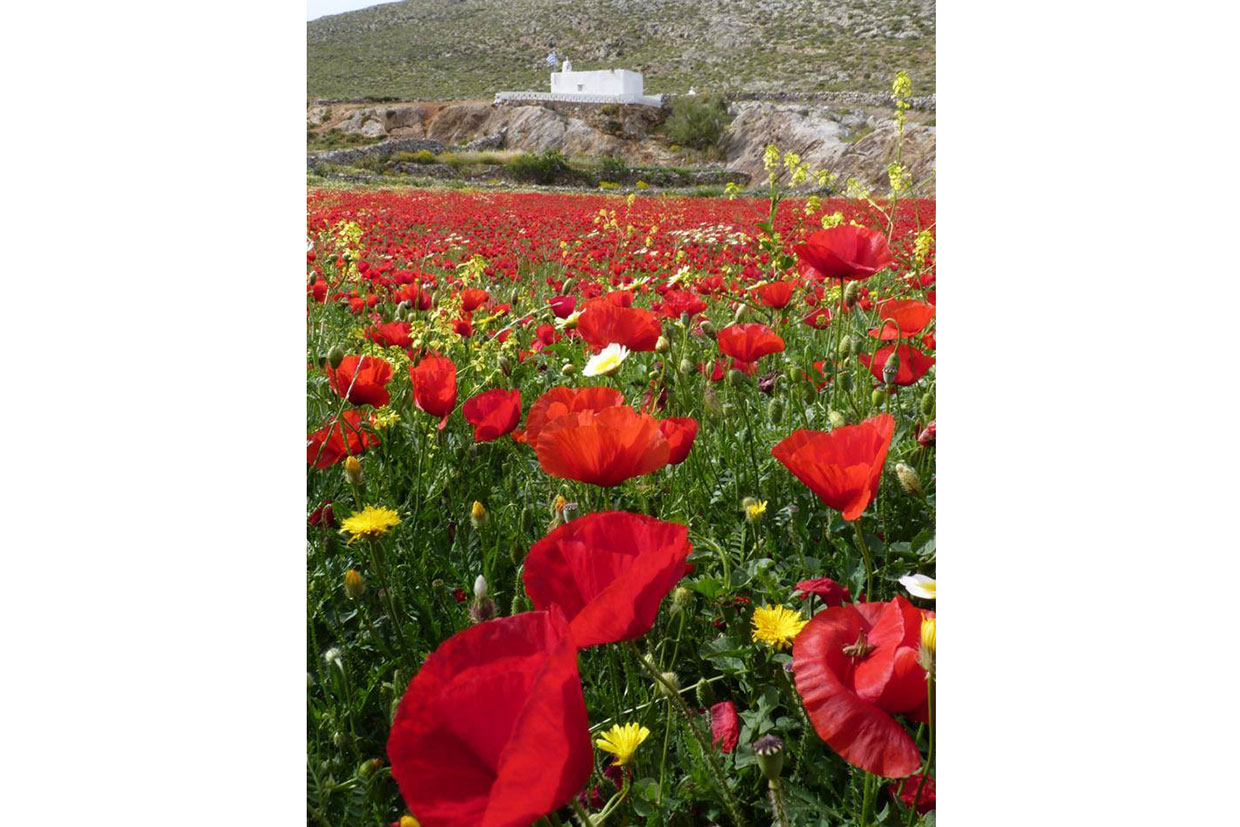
(776, 626)
(370, 522)
(754, 509)
(409, 821)
(622, 740)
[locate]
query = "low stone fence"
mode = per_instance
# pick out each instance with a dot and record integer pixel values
(382, 149)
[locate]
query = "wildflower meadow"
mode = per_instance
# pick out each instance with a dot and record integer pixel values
(621, 510)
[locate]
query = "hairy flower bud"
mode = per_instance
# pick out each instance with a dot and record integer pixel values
(845, 381)
(480, 588)
(681, 598)
(481, 610)
(354, 585)
(836, 419)
(909, 481)
(568, 369)
(670, 684)
(850, 293)
(686, 367)
(335, 356)
(662, 345)
(848, 346)
(797, 374)
(891, 367)
(705, 694)
(927, 404)
(775, 410)
(708, 327)
(505, 364)
(736, 378)
(876, 397)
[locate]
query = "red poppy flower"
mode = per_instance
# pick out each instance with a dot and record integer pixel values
(602, 448)
(434, 386)
(818, 319)
(560, 401)
(392, 334)
(323, 515)
(493, 413)
(913, 363)
(776, 294)
(832, 593)
(472, 298)
(928, 434)
(493, 731)
(362, 379)
(909, 315)
(844, 252)
(338, 439)
(715, 371)
(906, 791)
(562, 306)
(725, 726)
(842, 466)
(604, 322)
(607, 572)
(749, 342)
(678, 302)
(679, 431)
(855, 667)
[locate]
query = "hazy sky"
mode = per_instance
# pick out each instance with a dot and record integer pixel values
(318, 8)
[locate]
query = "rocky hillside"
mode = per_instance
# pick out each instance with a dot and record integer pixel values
(852, 141)
(454, 49)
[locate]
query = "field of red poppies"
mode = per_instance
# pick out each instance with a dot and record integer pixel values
(621, 511)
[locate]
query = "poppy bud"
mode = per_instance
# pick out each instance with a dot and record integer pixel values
(353, 471)
(686, 367)
(891, 367)
(710, 401)
(335, 356)
(569, 369)
(848, 346)
(775, 410)
(670, 684)
(846, 381)
(685, 319)
(707, 327)
(705, 694)
(478, 515)
(368, 767)
(770, 752)
(505, 364)
(437, 583)
(662, 345)
(354, 585)
(850, 293)
(927, 404)
(909, 481)
(736, 377)
(339, 740)
(480, 588)
(314, 279)
(876, 397)
(797, 374)
(681, 598)
(520, 603)
(567, 286)
(837, 419)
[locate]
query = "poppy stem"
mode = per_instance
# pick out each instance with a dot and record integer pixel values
(865, 554)
(712, 759)
(930, 751)
(582, 815)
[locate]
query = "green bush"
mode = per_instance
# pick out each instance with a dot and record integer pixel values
(422, 156)
(697, 122)
(613, 168)
(545, 168)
